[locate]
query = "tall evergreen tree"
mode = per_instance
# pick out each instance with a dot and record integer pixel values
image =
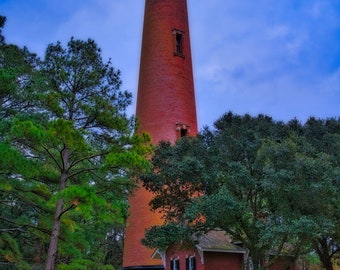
(18, 205)
(69, 153)
(88, 139)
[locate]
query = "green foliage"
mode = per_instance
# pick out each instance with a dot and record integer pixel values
(68, 155)
(170, 234)
(263, 182)
(81, 264)
(179, 177)
(17, 71)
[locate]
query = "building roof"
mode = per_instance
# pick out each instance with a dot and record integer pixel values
(213, 241)
(218, 241)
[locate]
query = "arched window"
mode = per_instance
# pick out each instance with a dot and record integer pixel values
(182, 130)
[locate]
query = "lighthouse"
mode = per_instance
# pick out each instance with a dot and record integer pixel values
(166, 108)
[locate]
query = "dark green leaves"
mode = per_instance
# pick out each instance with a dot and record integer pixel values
(267, 184)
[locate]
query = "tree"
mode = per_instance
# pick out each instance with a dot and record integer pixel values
(226, 180)
(19, 199)
(91, 130)
(179, 179)
(2, 24)
(82, 152)
(234, 186)
(302, 189)
(17, 70)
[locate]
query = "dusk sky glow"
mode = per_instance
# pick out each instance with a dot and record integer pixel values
(280, 58)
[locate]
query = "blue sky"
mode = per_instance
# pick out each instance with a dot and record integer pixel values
(276, 57)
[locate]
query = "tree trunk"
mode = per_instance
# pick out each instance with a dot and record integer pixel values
(52, 250)
(254, 262)
(322, 250)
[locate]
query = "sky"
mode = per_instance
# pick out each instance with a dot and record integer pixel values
(275, 57)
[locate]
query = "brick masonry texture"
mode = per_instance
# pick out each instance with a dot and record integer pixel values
(165, 98)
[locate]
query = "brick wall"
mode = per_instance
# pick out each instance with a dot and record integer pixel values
(165, 98)
(212, 260)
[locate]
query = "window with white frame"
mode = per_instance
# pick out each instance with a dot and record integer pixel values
(190, 263)
(174, 264)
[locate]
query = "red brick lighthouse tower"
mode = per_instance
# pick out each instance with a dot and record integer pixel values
(165, 107)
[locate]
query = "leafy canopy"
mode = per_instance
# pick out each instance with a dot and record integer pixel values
(262, 181)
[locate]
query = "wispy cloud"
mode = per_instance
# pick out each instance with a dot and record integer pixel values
(274, 57)
(278, 57)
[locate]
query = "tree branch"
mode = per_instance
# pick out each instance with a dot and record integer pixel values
(51, 156)
(11, 230)
(72, 206)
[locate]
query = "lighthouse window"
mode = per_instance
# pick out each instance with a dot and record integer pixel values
(179, 45)
(178, 42)
(184, 132)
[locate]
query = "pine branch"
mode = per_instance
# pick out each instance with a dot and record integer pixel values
(72, 206)
(12, 230)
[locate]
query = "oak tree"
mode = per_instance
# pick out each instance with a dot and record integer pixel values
(245, 177)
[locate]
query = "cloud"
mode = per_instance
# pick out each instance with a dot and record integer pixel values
(272, 58)
(279, 57)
